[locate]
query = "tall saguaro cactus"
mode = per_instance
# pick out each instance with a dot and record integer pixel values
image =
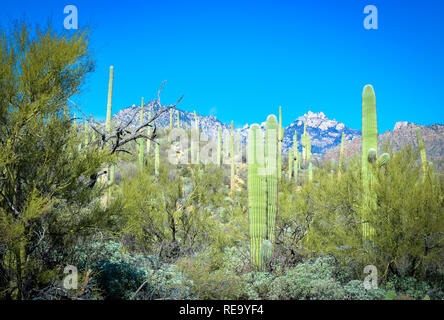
(108, 118)
(141, 151)
(262, 189)
(369, 152)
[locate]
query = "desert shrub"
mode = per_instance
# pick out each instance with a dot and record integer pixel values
(414, 288)
(407, 219)
(117, 280)
(354, 290)
(312, 281)
(257, 285)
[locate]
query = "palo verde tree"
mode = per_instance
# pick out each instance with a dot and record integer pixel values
(47, 184)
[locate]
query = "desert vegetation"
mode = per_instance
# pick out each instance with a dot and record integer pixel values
(108, 200)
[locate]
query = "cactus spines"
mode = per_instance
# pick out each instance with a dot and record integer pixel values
(156, 159)
(219, 145)
(423, 153)
(141, 160)
(232, 158)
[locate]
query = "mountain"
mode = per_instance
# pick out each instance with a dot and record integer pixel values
(324, 133)
(403, 133)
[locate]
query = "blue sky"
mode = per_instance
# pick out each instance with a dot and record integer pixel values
(240, 60)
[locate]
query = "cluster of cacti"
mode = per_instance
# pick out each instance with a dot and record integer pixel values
(262, 189)
(141, 142)
(369, 156)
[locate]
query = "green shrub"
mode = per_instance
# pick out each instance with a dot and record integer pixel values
(117, 280)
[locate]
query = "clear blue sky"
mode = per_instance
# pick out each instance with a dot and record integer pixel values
(240, 60)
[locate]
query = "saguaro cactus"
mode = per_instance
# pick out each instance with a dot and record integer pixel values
(262, 189)
(369, 151)
(423, 153)
(108, 118)
(171, 119)
(141, 151)
(370, 158)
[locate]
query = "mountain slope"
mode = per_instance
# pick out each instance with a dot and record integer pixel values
(403, 134)
(324, 133)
